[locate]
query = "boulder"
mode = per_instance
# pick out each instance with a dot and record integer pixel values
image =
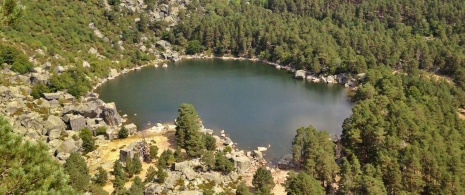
(300, 74)
(178, 166)
(110, 115)
(12, 107)
(113, 73)
(68, 146)
(330, 79)
(153, 189)
(242, 163)
(228, 141)
(51, 96)
(262, 149)
(54, 144)
(285, 162)
(212, 176)
(54, 134)
(63, 156)
(189, 173)
(54, 122)
(88, 109)
(37, 78)
(257, 154)
(77, 122)
(132, 128)
(60, 69)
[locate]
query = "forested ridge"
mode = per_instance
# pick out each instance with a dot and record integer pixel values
(334, 36)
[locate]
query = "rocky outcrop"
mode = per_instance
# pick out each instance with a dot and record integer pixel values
(300, 74)
(110, 115)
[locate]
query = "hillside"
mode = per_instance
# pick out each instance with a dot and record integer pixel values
(404, 136)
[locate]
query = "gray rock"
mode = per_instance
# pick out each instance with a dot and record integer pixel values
(88, 109)
(257, 154)
(189, 173)
(54, 134)
(242, 163)
(181, 165)
(60, 69)
(54, 144)
(285, 162)
(212, 176)
(54, 122)
(110, 115)
(153, 189)
(32, 134)
(132, 128)
(63, 156)
(188, 192)
(77, 122)
(163, 44)
(228, 141)
(300, 74)
(68, 146)
(113, 73)
(12, 107)
(51, 96)
(330, 79)
(37, 78)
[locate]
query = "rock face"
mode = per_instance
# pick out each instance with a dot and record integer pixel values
(110, 115)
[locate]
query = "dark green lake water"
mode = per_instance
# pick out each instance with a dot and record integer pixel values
(254, 103)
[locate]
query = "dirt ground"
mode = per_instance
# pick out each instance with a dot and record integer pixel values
(107, 153)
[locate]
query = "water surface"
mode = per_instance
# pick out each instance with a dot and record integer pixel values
(256, 104)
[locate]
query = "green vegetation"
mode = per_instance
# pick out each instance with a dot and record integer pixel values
(188, 135)
(242, 189)
(88, 142)
(137, 186)
(151, 173)
(123, 133)
(210, 142)
(208, 160)
(178, 155)
(28, 167)
(18, 60)
(153, 151)
(10, 12)
(223, 164)
(101, 177)
(302, 183)
(76, 167)
(314, 150)
(263, 181)
(166, 159)
(120, 176)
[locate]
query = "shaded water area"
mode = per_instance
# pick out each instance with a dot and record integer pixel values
(256, 104)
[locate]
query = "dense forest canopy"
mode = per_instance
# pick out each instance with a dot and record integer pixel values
(334, 36)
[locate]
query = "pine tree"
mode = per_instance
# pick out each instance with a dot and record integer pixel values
(101, 177)
(161, 176)
(31, 169)
(151, 173)
(76, 167)
(136, 165)
(153, 152)
(123, 133)
(302, 183)
(88, 142)
(210, 142)
(262, 179)
(178, 155)
(187, 131)
(137, 186)
(120, 176)
(242, 189)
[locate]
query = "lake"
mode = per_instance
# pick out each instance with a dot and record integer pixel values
(256, 104)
